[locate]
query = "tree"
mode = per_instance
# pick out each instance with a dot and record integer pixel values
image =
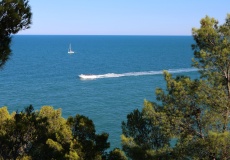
(45, 134)
(19, 132)
(35, 135)
(57, 142)
(117, 154)
(212, 57)
(193, 112)
(93, 145)
(143, 137)
(15, 15)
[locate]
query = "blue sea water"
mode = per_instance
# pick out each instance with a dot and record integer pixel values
(126, 70)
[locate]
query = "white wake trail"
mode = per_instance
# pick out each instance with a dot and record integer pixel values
(115, 75)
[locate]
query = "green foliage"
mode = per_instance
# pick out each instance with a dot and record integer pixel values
(192, 113)
(56, 142)
(212, 51)
(93, 145)
(15, 15)
(143, 136)
(117, 154)
(19, 132)
(45, 134)
(27, 134)
(4, 117)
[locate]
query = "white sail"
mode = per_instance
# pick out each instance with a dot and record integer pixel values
(70, 49)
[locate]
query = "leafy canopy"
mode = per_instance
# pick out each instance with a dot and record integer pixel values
(192, 114)
(15, 15)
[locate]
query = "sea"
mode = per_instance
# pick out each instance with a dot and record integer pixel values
(105, 79)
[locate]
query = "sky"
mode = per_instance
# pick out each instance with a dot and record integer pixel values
(122, 17)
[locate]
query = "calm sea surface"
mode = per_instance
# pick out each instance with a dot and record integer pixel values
(126, 70)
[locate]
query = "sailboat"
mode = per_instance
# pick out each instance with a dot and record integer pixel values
(70, 50)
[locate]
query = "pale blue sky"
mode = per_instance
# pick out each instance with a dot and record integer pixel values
(122, 17)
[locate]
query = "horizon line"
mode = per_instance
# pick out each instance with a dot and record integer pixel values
(94, 35)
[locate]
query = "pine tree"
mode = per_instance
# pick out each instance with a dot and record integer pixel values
(194, 113)
(15, 15)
